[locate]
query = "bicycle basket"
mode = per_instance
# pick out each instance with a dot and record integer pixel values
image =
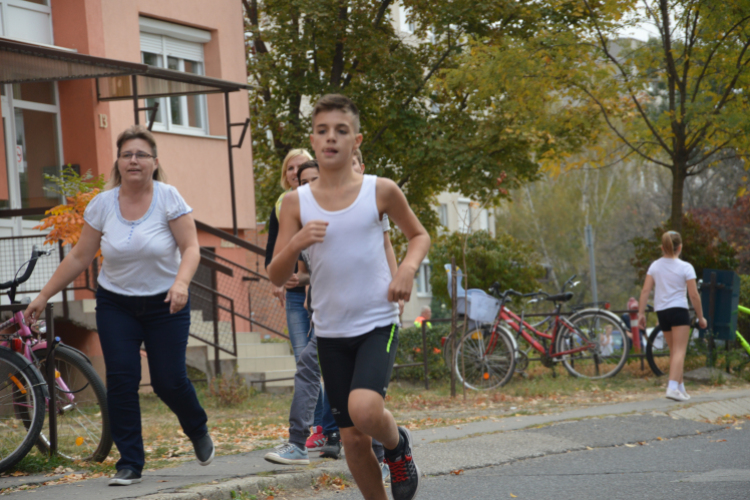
(483, 308)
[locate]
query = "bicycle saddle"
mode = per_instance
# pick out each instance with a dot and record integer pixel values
(560, 297)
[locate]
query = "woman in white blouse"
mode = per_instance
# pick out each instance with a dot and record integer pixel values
(150, 248)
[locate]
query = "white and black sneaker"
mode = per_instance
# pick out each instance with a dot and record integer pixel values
(404, 472)
(125, 477)
(204, 449)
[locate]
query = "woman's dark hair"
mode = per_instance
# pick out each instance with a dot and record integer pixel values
(670, 242)
(134, 132)
(305, 166)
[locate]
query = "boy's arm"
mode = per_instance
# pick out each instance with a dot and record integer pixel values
(292, 239)
(391, 200)
(390, 255)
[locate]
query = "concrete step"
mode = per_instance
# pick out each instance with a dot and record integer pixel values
(274, 374)
(257, 365)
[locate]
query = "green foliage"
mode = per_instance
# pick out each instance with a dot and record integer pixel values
(410, 351)
(71, 182)
(743, 320)
(702, 248)
(229, 390)
(434, 118)
(511, 262)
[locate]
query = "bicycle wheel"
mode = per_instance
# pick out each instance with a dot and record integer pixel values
(21, 407)
(657, 351)
(608, 349)
(81, 404)
(485, 361)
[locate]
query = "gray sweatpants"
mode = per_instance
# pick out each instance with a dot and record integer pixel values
(306, 388)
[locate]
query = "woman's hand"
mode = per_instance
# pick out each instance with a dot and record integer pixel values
(702, 323)
(293, 282)
(34, 310)
(280, 293)
(642, 322)
(177, 296)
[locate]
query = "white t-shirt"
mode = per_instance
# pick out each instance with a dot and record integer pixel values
(670, 282)
(140, 257)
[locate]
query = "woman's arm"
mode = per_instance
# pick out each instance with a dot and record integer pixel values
(70, 268)
(186, 236)
(303, 274)
(645, 292)
(695, 299)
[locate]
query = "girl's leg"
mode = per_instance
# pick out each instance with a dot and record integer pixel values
(297, 322)
(166, 345)
(677, 349)
(120, 335)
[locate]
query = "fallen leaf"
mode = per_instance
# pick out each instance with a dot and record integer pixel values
(512, 495)
(457, 472)
(589, 448)
(630, 445)
(659, 439)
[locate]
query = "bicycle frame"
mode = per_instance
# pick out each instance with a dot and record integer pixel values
(521, 326)
(30, 344)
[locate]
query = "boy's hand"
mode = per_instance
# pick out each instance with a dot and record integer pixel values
(401, 285)
(293, 282)
(313, 232)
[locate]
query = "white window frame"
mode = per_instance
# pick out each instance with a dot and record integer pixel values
(463, 210)
(6, 6)
(403, 14)
(177, 41)
(422, 279)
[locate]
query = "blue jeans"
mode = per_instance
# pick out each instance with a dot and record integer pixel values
(124, 322)
(298, 324)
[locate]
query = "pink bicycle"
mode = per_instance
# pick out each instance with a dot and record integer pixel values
(79, 395)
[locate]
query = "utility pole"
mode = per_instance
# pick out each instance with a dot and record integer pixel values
(592, 261)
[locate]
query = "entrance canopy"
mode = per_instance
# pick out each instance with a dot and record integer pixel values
(22, 63)
(117, 80)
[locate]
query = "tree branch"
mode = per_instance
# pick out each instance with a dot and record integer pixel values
(337, 66)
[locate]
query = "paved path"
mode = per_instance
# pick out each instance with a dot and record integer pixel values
(439, 451)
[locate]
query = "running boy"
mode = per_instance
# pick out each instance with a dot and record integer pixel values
(354, 305)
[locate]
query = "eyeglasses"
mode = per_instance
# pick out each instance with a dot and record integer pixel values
(140, 156)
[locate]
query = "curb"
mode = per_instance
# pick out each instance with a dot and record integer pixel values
(252, 485)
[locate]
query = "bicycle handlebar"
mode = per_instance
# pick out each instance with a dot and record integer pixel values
(35, 254)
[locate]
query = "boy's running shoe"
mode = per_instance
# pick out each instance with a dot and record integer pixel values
(317, 440)
(386, 472)
(332, 448)
(404, 472)
(287, 454)
(676, 395)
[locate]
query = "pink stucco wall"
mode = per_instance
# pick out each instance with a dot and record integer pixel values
(197, 166)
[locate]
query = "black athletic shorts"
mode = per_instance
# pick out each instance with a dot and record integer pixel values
(362, 362)
(674, 316)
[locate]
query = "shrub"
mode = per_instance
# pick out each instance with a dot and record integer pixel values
(410, 351)
(229, 390)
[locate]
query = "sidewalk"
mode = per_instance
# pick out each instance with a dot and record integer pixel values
(439, 451)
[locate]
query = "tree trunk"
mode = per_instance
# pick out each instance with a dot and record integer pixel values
(678, 190)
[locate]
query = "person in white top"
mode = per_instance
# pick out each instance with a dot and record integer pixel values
(339, 218)
(150, 248)
(673, 280)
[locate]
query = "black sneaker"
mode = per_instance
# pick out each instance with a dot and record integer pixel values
(204, 449)
(332, 448)
(404, 472)
(125, 477)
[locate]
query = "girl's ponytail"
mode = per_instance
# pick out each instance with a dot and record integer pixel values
(670, 241)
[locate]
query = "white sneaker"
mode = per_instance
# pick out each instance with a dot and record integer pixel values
(676, 395)
(685, 394)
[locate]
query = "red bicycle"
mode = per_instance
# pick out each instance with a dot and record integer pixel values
(590, 343)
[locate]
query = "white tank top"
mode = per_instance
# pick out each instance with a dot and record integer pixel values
(349, 271)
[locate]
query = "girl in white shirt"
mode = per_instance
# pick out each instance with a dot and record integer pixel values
(673, 280)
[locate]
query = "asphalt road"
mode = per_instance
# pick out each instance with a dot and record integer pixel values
(711, 465)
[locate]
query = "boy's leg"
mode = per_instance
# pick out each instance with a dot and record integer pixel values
(337, 362)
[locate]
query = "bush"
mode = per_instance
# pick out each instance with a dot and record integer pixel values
(410, 351)
(511, 262)
(703, 248)
(229, 390)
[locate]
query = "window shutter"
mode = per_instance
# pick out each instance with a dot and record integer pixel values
(151, 43)
(184, 50)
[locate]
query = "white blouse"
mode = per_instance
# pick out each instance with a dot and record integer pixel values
(141, 257)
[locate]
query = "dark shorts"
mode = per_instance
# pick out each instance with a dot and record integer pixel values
(674, 316)
(362, 362)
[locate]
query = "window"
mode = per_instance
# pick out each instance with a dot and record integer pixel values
(403, 14)
(422, 279)
(484, 220)
(443, 214)
(180, 48)
(464, 216)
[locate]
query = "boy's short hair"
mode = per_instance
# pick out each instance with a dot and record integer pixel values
(337, 102)
(305, 166)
